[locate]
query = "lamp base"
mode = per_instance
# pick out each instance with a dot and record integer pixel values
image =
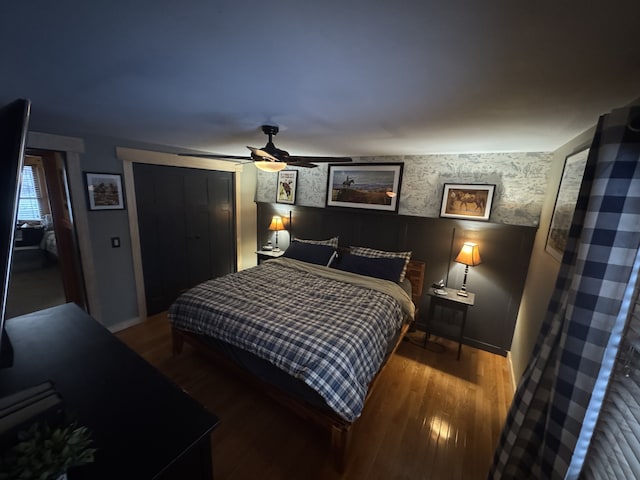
(276, 249)
(461, 293)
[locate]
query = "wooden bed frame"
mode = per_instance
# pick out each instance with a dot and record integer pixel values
(340, 428)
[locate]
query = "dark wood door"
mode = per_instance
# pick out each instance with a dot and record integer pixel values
(66, 244)
(186, 219)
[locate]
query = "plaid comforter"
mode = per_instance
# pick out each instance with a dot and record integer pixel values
(324, 326)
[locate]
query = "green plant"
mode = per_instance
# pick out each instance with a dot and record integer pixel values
(44, 453)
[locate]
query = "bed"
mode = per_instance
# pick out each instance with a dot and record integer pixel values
(48, 244)
(313, 330)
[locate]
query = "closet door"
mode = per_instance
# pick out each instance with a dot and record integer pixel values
(186, 219)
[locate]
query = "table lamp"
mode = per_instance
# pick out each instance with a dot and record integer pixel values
(469, 256)
(276, 225)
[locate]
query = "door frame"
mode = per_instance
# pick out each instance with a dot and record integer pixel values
(64, 229)
(129, 156)
(72, 148)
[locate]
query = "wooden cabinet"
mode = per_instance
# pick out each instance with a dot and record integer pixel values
(142, 424)
(267, 254)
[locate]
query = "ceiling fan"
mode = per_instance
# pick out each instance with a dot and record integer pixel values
(272, 159)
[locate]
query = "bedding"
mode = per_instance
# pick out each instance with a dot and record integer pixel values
(384, 268)
(329, 328)
(331, 242)
(311, 253)
(373, 253)
(48, 243)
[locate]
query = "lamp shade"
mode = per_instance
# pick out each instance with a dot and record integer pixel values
(268, 166)
(469, 255)
(276, 223)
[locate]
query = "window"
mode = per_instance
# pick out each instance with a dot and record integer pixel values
(30, 195)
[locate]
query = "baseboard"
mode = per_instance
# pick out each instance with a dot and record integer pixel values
(126, 324)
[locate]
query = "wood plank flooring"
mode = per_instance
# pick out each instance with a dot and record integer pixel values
(430, 416)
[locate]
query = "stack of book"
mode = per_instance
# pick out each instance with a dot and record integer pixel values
(18, 411)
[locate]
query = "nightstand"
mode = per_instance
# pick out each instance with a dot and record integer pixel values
(267, 254)
(451, 301)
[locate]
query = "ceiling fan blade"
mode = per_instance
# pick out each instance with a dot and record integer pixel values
(301, 163)
(260, 155)
(320, 159)
(214, 155)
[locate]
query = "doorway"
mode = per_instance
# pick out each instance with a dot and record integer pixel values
(46, 269)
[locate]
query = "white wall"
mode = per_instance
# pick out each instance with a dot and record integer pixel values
(543, 268)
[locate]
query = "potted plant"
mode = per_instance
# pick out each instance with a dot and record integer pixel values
(47, 453)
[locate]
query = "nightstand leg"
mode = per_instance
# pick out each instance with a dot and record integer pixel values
(464, 321)
(432, 308)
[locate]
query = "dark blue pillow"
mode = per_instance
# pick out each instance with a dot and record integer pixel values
(384, 268)
(310, 253)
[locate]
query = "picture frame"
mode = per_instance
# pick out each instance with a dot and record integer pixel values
(104, 191)
(287, 186)
(565, 204)
(371, 186)
(467, 201)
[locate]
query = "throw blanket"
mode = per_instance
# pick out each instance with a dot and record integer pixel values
(327, 327)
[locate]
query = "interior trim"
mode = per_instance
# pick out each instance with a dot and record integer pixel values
(72, 148)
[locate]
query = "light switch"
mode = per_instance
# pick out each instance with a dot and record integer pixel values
(115, 242)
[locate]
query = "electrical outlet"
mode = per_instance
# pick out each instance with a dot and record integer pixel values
(115, 242)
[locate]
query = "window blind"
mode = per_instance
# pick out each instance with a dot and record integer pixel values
(30, 195)
(614, 452)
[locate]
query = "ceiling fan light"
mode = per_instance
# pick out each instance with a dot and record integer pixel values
(267, 166)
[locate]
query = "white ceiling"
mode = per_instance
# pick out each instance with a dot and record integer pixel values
(376, 77)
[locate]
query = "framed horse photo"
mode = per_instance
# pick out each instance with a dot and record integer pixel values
(287, 185)
(467, 201)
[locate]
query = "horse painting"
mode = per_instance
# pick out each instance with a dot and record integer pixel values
(467, 201)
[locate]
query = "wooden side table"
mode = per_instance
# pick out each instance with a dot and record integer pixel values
(267, 254)
(452, 301)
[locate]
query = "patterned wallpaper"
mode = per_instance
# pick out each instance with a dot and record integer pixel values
(520, 180)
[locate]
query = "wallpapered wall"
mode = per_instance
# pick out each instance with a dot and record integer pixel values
(520, 179)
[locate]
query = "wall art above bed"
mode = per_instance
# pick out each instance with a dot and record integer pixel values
(467, 201)
(374, 186)
(287, 186)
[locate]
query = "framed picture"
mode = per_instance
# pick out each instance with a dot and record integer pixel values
(467, 201)
(104, 191)
(565, 205)
(287, 184)
(374, 186)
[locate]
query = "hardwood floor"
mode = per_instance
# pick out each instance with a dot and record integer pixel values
(430, 416)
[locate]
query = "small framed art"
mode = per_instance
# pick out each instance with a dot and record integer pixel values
(287, 185)
(374, 186)
(467, 201)
(104, 191)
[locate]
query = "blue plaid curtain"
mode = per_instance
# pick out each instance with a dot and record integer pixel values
(555, 407)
